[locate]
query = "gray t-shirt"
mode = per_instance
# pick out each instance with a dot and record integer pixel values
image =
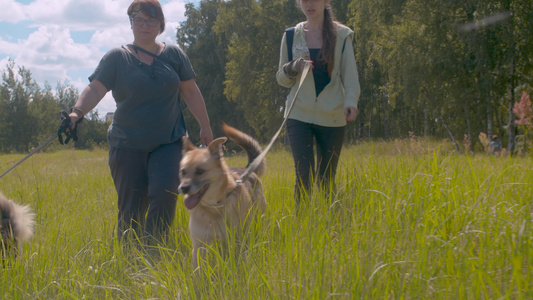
(148, 110)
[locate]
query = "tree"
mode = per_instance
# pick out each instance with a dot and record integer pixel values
(254, 30)
(92, 132)
(452, 61)
(67, 94)
(30, 115)
(43, 113)
(207, 51)
(434, 68)
(17, 90)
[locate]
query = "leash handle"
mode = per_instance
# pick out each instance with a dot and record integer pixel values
(255, 163)
(65, 127)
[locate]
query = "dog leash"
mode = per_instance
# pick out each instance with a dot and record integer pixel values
(255, 163)
(64, 128)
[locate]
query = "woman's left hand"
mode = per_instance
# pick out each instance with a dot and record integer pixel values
(350, 113)
(206, 136)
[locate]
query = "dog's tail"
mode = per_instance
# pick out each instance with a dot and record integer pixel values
(248, 143)
(17, 221)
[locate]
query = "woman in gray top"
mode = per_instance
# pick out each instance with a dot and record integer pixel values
(146, 79)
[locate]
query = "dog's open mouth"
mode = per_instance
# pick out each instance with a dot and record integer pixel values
(192, 200)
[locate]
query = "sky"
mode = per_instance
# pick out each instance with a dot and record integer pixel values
(60, 40)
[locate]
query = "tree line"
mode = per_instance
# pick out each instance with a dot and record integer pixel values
(29, 114)
(443, 69)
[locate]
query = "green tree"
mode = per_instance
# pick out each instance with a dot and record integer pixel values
(92, 132)
(17, 89)
(206, 51)
(434, 68)
(30, 115)
(453, 61)
(66, 94)
(254, 30)
(44, 115)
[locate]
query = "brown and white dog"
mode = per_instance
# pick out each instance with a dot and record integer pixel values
(16, 226)
(215, 197)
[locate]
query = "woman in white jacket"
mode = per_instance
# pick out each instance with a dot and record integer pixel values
(328, 97)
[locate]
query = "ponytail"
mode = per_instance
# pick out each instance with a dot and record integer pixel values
(329, 37)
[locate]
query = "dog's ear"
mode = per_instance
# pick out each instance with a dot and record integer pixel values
(214, 147)
(187, 145)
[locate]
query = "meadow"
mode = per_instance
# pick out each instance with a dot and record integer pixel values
(410, 220)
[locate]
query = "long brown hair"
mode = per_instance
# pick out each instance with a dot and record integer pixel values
(329, 37)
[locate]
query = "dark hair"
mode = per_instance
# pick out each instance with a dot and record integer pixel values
(150, 8)
(329, 37)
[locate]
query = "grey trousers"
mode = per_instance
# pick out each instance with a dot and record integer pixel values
(147, 185)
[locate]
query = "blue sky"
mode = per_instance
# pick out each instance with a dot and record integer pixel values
(60, 40)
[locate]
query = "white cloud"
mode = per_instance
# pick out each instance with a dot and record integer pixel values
(174, 11)
(174, 14)
(112, 37)
(106, 105)
(8, 48)
(50, 51)
(11, 12)
(45, 11)
(79, 14)
(3, 64)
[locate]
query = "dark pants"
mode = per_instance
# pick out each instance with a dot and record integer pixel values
(329, 140)
(147, 185)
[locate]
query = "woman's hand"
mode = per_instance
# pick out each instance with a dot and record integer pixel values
(206, 136)
(350, 113)
(299, 64)
(75, 115)
(295, 67)
(74, 118)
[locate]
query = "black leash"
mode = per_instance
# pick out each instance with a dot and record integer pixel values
(64, 128)
(147, 52)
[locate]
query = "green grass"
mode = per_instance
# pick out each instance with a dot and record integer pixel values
(411, 220)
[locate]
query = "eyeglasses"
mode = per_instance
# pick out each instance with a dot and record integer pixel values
(141, 22)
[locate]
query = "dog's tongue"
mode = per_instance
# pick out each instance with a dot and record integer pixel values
(192, 200)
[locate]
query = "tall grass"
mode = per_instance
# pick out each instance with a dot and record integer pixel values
(410, 220)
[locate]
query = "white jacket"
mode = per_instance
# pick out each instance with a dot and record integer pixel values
(343, 90)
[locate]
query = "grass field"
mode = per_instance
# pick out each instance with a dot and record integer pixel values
(410, 220)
